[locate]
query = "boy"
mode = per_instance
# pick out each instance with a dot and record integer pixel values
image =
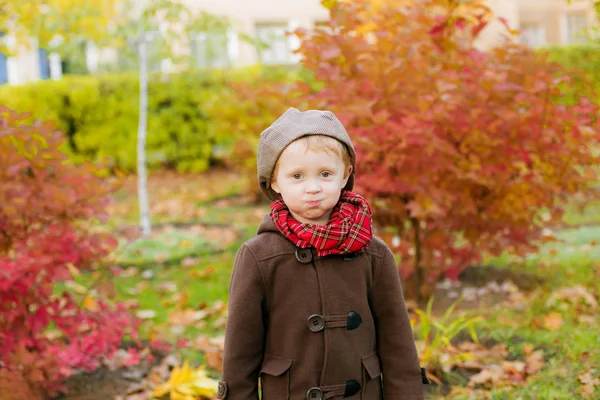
(315, 303)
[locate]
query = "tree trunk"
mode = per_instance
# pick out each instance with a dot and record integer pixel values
(418, 278)
(142, 172)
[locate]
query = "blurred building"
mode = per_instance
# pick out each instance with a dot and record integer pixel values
(268, 20)
(551, 22)
(541, 23)
(28, 64)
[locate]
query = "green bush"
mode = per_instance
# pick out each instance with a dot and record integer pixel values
(99, 115)
(585, 58)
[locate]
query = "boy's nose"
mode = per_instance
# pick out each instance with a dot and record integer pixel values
(313, 187)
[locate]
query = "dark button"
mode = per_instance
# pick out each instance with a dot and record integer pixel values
(314, 394)
(304, 256)
(352, 387)
(349, 257)
(316, 323)
(354, 321)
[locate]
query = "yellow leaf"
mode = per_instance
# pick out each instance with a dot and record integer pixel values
(186, 244)
(91, 304)
(73, 269)
(107, 289)
(186, 383)
(553, 321)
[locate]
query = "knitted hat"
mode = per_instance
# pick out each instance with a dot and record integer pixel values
(292, 125)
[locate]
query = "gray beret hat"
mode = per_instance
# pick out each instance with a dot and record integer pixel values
(292, 125)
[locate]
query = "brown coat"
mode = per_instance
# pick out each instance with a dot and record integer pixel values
(276, 287)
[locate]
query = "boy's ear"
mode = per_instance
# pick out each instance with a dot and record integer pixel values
(275, 187)
(348, 173)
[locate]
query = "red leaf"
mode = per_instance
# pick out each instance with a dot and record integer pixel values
(437, 30)
(332, 52)
(476, 30)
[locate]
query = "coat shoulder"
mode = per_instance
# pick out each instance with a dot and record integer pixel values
(378, 247)
(266, 245)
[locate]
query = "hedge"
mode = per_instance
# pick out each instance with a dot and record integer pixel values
(584, 58)
(99, 115)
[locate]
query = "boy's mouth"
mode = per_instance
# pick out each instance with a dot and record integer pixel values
(314, 202)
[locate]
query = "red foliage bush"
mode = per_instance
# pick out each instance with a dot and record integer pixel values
(46, 206)
(460, 149)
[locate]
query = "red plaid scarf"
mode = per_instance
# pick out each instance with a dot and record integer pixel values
(348, 230)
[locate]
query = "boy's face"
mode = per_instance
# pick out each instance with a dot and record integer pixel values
(310, 182)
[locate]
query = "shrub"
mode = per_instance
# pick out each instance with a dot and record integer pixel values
(458, 148)
(584, 57)
(46, 205)
(99, 116)
(584, 60)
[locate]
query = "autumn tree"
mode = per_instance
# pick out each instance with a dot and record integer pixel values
(463, 152)
(45, 21)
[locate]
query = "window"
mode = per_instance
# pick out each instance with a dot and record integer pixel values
(275, 47)
(3, 69)
(44, 64)
(533, 35)
(3, 65)
(575, 25)
(216, 50)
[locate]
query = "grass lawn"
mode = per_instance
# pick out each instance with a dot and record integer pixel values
(179, 279)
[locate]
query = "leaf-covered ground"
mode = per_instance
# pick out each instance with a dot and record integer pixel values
(538, 336)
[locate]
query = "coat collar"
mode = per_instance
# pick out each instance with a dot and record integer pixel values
(266, 225)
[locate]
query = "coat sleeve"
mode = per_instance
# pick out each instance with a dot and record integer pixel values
(245, 330)
(396, 346)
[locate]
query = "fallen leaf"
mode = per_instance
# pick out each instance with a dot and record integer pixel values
(535, 362)
(187, 383)
(203, 274)
(182, 299)
(181, 317)
(488, 376)
(589, 380)
(130, 272)
(553, 321)
(107, 289)
(146, 314)
(586, 319)
(167, 287)
(220, 323)
(574, 295)
(91, 304)
(190, 262)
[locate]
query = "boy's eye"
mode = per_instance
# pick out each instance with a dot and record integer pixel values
(296, 176)
(326, 174)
